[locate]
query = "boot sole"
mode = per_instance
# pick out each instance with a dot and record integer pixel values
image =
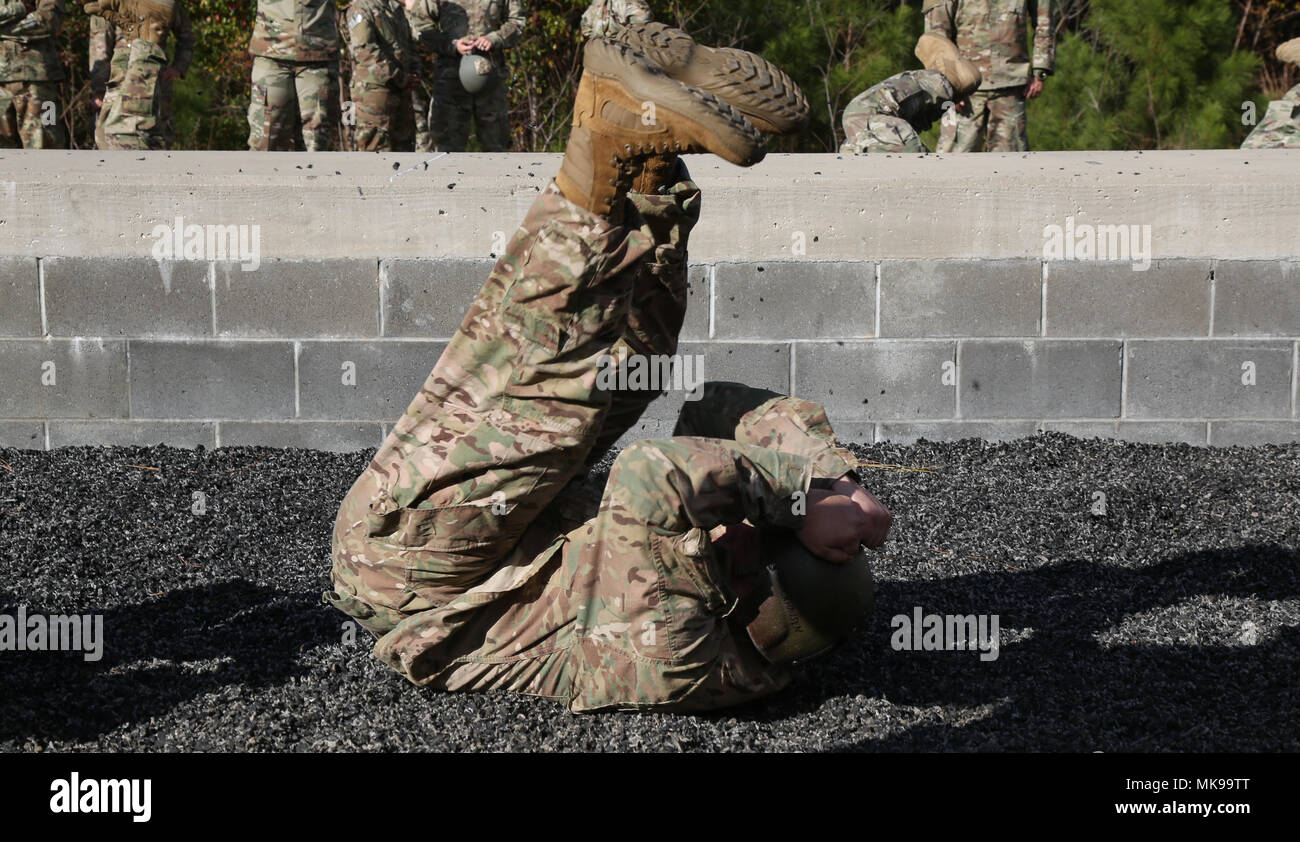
(750, 83)
(734, 138)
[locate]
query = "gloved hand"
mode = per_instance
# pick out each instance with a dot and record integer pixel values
(146, 19)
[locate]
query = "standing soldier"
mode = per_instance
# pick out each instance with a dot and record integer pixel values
(992, 34)
(1280, 128)
(384, 70)
(132, 83)
(421, 90)
(30, 73)
(295, 103)
(604, 17)
(475, 33)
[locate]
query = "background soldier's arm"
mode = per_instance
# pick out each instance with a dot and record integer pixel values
(12, 12)
(184, 30)
(1044, 35)
(427, 30)
(941, 17)
(103, 36)
(395, 42)
(512, 29)
(44, 22)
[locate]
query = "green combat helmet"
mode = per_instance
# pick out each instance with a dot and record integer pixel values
(476, 72)
(813, 603)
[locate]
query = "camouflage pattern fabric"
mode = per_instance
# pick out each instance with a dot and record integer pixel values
(604, 17)
(422, 94)
(993, 121)
(437, 25)
(295, 106)
(888, 116)
(27, 121)
(452, 547)
(1280, 128)
(383, 62)
(30, 71)
(992, 34)
(295, 30)
(137, 101)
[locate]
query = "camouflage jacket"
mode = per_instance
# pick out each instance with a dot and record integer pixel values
(379, 38)
(605, 16)
(295, 30)
(1280, 128)
(108, 53)
(29, 44)
(438, 24)
(994, 33)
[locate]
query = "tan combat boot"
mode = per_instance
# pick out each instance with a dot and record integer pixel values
(628, 111)
(747, 82)
(938, 53)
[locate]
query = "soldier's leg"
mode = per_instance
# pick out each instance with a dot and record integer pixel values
(662, 620)
(767, 419)
(1007, 127)
(371, 109)
(10, 137)
(965, 132)
(317, 88)
(492, 118)
(32, 115)
(272, 109)
(421, 97)
(135, 121)
(452, 112)
(401, 121)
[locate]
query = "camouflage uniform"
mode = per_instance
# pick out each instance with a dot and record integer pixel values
(604, 17)
(136, 112)
(888, 116)
(991, 33)
(442, 23)
(383, 62)
(30, 72)
(295, 101)
(1280, 128)
(421, 93)
(461, 548)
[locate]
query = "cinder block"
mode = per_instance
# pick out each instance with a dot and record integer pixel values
(1108, 298)
(132, 433)
(1042, 378)
(339, 437)
(696, 325)
(909, 433)
(298, 299)
(212, 380)
(761, 365)
(22, 435)
(857, 432)
(1147, 432)
(960, 298)
(127, 297)
(858, 381)
(1251, 433)
(794, 299)
(427, 299)
(20, 314)
(1204, 379)
(362, 380)
(63, 378)
(1257, 298)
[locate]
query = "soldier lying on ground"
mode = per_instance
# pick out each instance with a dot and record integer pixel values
(1280, 128)
(890, 116)
(714, 559)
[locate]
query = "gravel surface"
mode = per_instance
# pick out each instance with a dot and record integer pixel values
(1169, 622)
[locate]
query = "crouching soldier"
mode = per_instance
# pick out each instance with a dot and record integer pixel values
(889, 116)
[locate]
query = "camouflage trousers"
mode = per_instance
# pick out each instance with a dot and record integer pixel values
(454, 109)
(384, 122)
(26, 121)
(456, 547)
(1280, 128)
(994, 122)
(295, 106)
(420, 101)
(136, 113)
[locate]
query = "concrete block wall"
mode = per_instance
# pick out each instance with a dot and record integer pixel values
(324, 345)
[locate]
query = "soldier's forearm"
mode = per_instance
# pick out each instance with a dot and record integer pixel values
(10, 12)
(42, 23)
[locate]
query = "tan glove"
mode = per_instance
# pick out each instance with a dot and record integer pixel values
(149, 20)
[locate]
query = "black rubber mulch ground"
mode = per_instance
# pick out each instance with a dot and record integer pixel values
(1168, 623)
